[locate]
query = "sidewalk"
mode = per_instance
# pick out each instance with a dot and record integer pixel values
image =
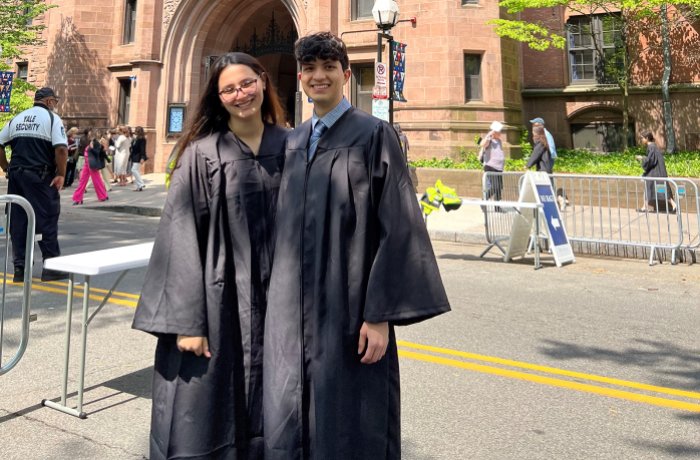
(465, 225)
(148, 202)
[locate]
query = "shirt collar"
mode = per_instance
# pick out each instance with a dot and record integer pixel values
(331, 117)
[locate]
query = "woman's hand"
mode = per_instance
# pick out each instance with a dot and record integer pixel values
(374, 339)
(197, 345)
(638, 157)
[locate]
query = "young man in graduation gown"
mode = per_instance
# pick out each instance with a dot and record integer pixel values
(353, 259)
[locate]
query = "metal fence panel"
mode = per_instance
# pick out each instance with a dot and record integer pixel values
(23, 298)
(601, 212)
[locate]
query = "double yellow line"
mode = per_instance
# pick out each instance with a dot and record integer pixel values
(58, 287)
(438, 355)
(475, 363)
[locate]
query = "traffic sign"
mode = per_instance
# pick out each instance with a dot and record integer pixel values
(381, 87)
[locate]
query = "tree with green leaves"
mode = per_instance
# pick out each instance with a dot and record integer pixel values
(19, 29)
(625, 34)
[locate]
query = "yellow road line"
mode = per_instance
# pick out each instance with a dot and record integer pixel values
(619, 394)
(553, 370)
(78, 292)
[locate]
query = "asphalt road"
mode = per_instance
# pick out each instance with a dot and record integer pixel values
(595, 360)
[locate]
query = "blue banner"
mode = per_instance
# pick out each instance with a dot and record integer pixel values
(5, 90)
(398, 52)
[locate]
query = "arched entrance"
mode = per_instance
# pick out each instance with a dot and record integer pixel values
(199, 30)
(272, 42)
(600, 129)
(268, 36)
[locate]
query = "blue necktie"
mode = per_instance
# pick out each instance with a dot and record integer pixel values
(315, 137)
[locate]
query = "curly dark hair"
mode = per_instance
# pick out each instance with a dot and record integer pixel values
(321, 45)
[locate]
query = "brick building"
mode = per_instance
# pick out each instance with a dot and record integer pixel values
(144, 62)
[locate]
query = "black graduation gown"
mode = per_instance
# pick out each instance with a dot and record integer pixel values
(351, 247)
(655, 166)
(208, 276)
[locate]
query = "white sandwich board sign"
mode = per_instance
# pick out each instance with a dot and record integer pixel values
(537, 188)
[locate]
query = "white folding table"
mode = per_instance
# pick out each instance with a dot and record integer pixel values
(89, 264)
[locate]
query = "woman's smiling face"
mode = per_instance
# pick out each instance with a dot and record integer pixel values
(241, 91)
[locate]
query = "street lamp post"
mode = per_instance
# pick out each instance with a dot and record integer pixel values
(386, 15)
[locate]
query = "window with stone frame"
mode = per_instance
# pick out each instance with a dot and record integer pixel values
(22, 70)
(470, 2)
(472, 77)
(594, 44)
(129, 35)
(124, 101)
(361, 9)
(361, 86)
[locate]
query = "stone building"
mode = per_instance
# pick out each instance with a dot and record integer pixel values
(145, 62)
(564, 86)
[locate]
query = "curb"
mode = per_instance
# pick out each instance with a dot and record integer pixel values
(127, 209)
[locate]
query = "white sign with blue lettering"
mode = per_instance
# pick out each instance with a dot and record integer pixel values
(541, 185)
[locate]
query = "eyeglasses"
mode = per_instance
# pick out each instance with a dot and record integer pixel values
(230, 93)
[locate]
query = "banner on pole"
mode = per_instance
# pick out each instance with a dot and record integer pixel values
(5, 90)
(398, 52)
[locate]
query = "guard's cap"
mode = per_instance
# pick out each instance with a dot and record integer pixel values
(44, 93)
(496, 126)
(537, 120)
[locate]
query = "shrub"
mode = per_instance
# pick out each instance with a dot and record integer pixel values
(681, 164)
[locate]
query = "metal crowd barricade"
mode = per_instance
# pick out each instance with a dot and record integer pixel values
(601, 212)
(688, 202)
(498, 220)
(604, 210)
(9, 200)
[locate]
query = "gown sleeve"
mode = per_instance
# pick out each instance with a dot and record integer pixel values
(650, 161)
(404, 283)
(173, 299)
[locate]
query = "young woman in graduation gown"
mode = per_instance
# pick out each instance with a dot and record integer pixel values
(205, 292)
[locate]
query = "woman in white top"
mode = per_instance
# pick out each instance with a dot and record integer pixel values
(492, 156)
(121, 155)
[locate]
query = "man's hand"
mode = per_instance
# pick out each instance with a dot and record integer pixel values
(375, 338)
(57, 182)
(197, 345)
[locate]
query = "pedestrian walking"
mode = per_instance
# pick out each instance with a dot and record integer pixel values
(36, 171)
(654, 165)
(205, 292)
(138, 157)
(540, 156)
(121, 154)
(95, 159)
(352, 260)
(539, 122)
(72, 156)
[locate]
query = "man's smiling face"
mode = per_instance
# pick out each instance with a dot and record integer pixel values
(323, 82)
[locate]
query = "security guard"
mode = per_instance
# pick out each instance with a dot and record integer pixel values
(36, 172)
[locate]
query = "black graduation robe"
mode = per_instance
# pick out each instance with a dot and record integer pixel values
(351, 247)
(208, 276)
(654, 165)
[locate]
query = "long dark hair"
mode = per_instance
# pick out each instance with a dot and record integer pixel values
(212, 117)
(541, 136)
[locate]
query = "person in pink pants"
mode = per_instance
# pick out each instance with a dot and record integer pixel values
(94, 162)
